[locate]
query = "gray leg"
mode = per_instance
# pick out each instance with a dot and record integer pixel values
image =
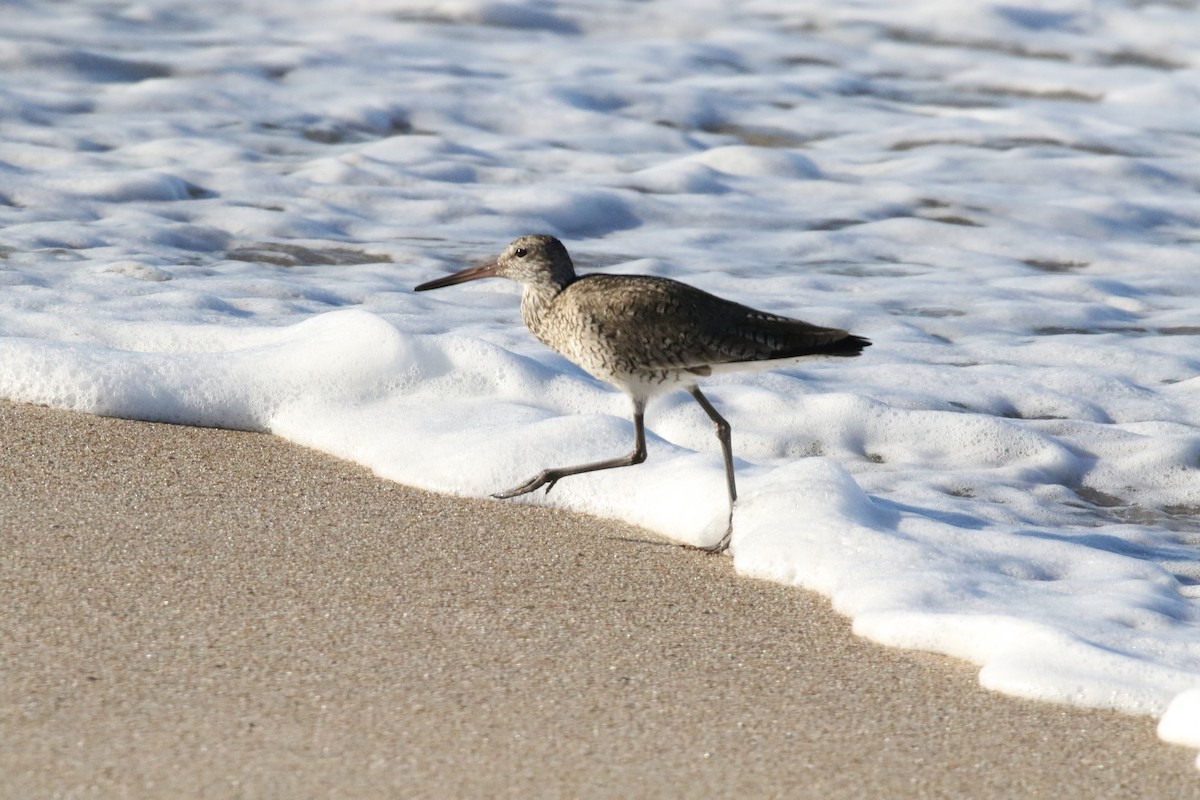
(549, 477)
(723, 431)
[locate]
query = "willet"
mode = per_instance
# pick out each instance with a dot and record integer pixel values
(646, 336)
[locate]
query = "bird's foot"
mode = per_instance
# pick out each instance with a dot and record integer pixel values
(546, 477)
(719, 547)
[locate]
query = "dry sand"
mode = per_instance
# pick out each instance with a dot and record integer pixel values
(203, 613)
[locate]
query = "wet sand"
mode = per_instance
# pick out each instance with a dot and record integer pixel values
(217, 614)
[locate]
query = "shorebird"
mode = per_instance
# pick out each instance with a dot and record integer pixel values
(646, 336)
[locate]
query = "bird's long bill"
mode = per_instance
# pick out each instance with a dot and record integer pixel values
(487, 270)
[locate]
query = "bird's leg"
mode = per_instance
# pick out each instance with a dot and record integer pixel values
(723, 430)
(549, 477)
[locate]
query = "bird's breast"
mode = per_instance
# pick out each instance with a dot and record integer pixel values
(603, 354)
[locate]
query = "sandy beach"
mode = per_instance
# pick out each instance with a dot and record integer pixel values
(204, 613)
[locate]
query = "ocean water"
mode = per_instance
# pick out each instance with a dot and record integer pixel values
(214, 214)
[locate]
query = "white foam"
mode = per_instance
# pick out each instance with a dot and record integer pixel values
(1179, 723)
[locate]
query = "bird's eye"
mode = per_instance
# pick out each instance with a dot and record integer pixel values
(520, 252)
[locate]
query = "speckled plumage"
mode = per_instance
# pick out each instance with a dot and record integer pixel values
(645, 335)
(645, 330)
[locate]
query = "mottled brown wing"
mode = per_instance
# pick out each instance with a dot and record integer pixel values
(659, 323)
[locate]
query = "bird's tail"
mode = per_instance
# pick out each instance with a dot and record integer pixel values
(792, 338)
(848, 345)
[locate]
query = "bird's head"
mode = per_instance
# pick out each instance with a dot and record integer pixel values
(529, 260)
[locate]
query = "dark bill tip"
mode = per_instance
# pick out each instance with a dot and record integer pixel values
(487, 270)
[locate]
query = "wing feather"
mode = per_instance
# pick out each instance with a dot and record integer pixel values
(658, 323)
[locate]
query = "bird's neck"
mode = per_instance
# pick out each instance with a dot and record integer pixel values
(536, 300)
